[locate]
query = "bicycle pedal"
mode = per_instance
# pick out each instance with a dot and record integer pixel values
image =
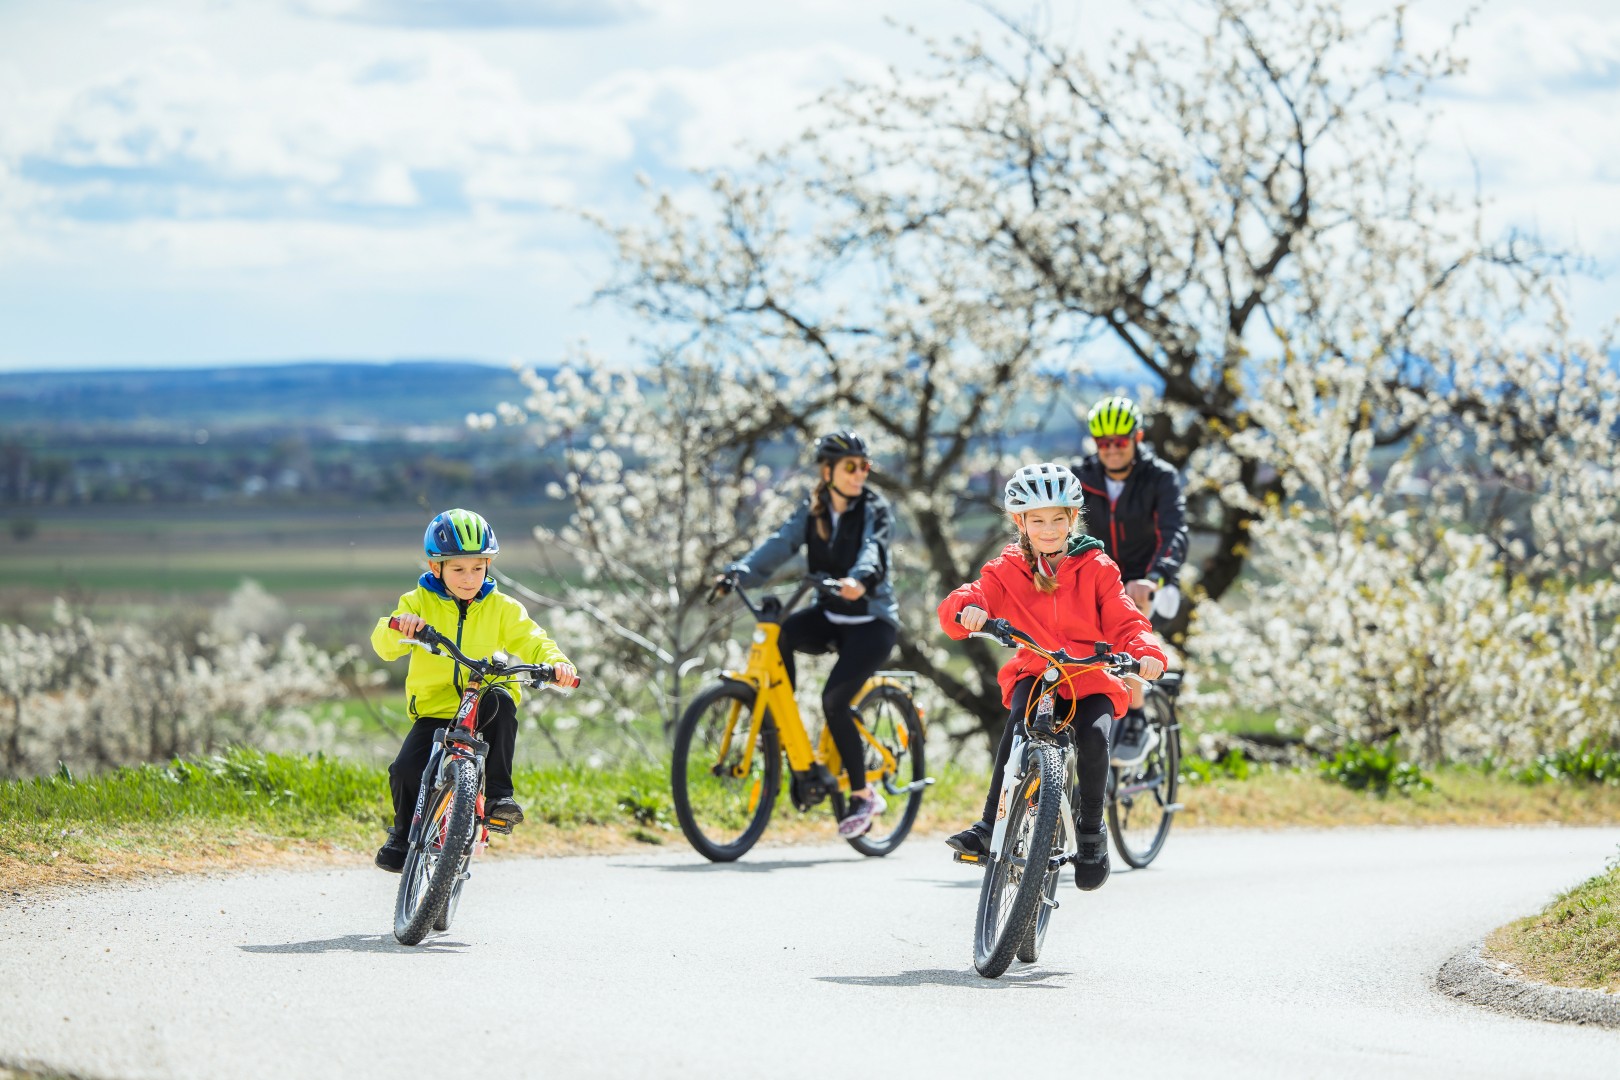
(962, 856)
(500, 825)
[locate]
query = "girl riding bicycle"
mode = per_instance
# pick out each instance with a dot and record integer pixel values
(844, 530)
(457, 598)
(1056, 584)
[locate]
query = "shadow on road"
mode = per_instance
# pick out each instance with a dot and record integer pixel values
(353, 943)
(739, 867)
(1034, 980)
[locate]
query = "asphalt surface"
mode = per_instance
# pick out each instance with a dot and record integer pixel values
(1288, 954)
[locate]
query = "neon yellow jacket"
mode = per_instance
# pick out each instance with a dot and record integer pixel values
(492, 622)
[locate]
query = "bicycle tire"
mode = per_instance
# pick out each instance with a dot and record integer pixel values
(434, 864)
(1029, 950)
(707, 805)
(1141, 821)
(874, 714)
(1003, 922)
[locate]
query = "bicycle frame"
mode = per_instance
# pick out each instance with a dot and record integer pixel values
(766, 675)
(461, 740)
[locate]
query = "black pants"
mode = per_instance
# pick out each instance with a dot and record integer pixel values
(861, 649)
(1093, 716)
(497, 725)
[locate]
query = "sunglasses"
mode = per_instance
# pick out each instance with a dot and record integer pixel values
(1114, 442)
(855, 465)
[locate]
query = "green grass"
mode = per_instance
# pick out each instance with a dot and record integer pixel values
(1574, 941)
(245, 807)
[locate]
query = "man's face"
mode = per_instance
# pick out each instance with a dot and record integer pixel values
(1116, 452)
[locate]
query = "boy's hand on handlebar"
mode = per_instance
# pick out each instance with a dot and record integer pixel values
(407, 624)
(850, 589)
(1149, 667)
(972, 618)
(564, 675)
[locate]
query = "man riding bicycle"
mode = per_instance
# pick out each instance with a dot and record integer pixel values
(1135, 506)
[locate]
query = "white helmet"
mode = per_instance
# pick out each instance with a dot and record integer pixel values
(1036, 487)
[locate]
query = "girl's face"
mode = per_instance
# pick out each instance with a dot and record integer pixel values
(1048, 528)
(463, 577)
(848, 475)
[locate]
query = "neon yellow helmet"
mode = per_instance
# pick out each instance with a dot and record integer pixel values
(1114, 416)
(459, 534)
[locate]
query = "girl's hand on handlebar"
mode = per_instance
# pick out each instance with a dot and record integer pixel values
(408, 624)
(850, 589)
(973, 618)
(1149, 667)
(564, 675)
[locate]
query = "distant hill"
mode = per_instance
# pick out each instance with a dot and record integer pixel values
(314, 394)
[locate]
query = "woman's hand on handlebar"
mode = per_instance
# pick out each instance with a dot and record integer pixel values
(850, 589)
(972, 618)
(564, 676)
(407, 624)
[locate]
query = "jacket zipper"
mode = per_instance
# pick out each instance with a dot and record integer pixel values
(461, 620)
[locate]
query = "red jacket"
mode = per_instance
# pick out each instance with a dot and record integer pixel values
(1089, 605)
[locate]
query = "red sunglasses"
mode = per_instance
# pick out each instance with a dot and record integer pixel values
(1114, 442)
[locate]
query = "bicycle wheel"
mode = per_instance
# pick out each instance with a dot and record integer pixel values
(721, 813)
(1139, 813)
(434, 865)
(1014, 882)
(887, 712)
(1029, 950)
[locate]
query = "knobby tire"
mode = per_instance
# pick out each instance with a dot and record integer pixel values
(997, 941)
(431, 871)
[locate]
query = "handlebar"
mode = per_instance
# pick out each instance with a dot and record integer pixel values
(1008, 636)
(729, 582)
(433, 641)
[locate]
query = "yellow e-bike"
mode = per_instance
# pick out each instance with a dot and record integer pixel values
(727, 766)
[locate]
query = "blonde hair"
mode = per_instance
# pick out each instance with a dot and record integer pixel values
(1044, 583)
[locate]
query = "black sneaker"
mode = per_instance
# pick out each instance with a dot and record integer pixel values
(503, 813)
(973, 840)
(391, 856)
(1091, 861)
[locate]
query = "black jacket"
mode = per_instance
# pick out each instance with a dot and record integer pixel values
(1145, 531)
(858, 548)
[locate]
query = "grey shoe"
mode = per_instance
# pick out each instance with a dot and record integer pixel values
(1136, 741)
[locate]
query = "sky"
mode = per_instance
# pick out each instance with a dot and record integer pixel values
(223, 181)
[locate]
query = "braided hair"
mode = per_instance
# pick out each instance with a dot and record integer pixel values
(821, 509)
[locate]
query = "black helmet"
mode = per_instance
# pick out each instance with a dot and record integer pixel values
(840, 444)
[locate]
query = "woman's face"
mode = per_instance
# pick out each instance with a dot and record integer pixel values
(848, 475)
(1048, 528)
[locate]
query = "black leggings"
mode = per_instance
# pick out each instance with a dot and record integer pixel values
(1093, 717)
(497, 725)
(861, 649)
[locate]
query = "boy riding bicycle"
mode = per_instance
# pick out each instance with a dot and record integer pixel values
(457, 598)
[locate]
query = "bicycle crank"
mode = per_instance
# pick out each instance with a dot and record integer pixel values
(890, 786)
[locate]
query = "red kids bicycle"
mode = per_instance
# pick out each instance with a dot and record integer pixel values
(449, 827)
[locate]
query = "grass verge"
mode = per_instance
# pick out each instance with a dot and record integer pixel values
(247, 809)
(1574, 941)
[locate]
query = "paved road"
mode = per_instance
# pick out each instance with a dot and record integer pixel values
(1290, 954)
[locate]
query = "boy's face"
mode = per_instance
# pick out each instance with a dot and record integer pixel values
(463, 577)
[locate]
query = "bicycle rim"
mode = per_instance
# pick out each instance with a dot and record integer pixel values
(891, 717)
(723, 803)
(1014, 882)
(1139, 812)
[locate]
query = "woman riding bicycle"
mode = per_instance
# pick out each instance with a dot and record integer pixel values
(1056, 585)
(844, 531)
